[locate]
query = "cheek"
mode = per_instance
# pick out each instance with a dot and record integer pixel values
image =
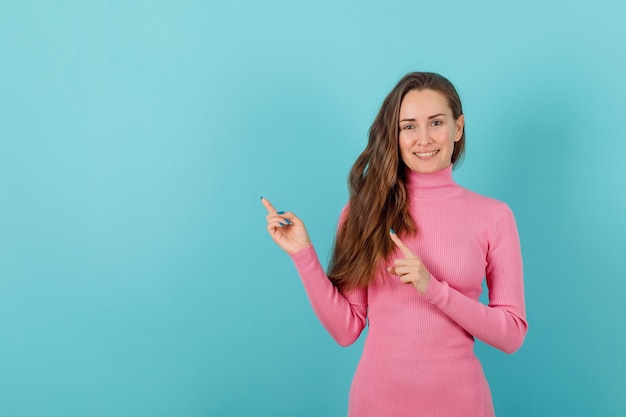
(404, 143)
(447, 138)
(403, 149)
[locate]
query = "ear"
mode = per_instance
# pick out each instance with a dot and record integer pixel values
(460, 125)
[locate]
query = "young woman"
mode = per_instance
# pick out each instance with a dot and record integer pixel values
(411, 253)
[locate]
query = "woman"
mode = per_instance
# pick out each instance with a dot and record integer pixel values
(417, 286)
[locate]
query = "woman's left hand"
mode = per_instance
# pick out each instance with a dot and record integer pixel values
(411, 269)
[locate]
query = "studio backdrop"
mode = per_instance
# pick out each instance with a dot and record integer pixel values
(136, 137)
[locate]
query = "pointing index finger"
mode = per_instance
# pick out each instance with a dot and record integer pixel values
(268, 206)
(400, 244)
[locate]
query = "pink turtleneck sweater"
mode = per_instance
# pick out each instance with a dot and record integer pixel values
(418, 358)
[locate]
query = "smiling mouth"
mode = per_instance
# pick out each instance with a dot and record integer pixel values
(425, 154)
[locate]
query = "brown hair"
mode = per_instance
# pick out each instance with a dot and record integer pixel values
(378, 195)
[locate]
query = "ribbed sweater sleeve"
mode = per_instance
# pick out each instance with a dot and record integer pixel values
(502, 323)
(342, 314)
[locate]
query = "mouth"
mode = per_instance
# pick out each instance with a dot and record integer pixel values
(426, 155)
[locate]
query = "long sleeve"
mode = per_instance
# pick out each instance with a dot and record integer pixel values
(418, 358)
(502, 323)
(344, 315)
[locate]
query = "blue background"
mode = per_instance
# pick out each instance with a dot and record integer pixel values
(136, 275)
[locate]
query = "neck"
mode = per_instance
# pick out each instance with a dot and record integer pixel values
(439, 184)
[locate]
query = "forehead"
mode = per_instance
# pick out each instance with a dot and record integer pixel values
(423, 103)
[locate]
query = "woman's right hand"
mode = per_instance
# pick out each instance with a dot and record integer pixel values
(286, 229)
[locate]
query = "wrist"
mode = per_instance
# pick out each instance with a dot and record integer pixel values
(422, 285)
(299, 249)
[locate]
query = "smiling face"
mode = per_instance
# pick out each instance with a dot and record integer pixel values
(428, 131)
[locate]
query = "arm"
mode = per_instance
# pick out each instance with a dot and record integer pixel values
(502, 323)
(343, 315)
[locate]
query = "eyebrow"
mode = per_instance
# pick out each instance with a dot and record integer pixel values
(429, 117)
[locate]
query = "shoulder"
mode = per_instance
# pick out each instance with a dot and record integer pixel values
(492, 218)
(343, 215)
(491, 210)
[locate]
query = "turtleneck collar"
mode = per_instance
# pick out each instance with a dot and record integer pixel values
(436, 185)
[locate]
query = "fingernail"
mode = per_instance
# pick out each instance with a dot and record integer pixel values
(280, 212)
(282, 224)
(289, 222)
(393, 232)
(261, 197)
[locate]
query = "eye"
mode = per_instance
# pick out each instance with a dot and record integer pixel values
(437, 122)
(407, 127)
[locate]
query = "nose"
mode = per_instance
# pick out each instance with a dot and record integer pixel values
(421, 136)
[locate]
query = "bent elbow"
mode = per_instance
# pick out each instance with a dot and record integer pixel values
(511, 348)
(346, 332)
(345, 343)
(347, 336)
(516, 340)
(345, 340)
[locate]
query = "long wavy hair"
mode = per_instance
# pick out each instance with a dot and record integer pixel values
(377, 184)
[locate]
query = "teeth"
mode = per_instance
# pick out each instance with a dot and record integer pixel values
(425, 153)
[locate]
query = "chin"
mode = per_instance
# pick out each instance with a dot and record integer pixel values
(424, 170)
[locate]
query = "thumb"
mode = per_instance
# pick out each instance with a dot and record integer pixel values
(400, 244)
